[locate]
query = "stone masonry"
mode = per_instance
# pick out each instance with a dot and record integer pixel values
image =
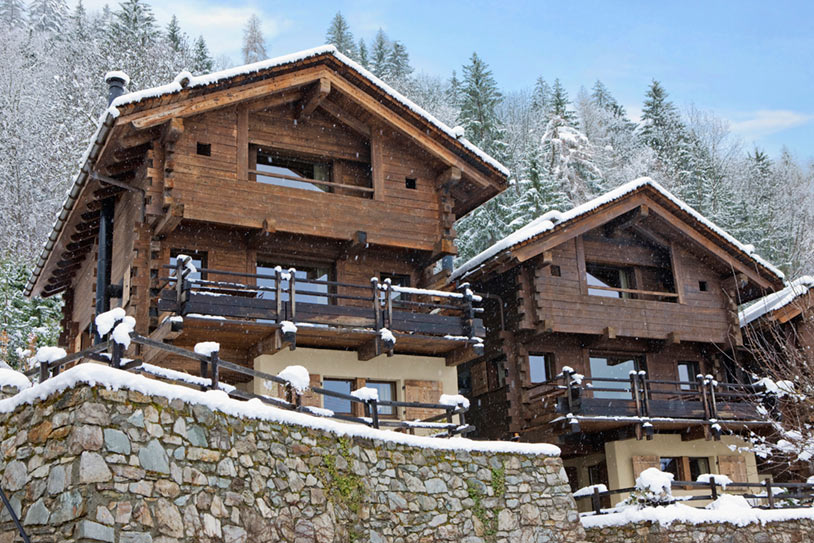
(790, 531)
(93, 464)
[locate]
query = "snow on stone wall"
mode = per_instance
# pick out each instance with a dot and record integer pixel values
(91, 463)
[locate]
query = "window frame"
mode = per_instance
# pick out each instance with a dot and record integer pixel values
(691, 376)
(626, 274)
(549, 366)
(350, 383)
(393, 395)
(640, 364)
(270, 263)
(289, 159)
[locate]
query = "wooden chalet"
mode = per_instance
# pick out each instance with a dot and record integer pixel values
(608, 324)
(298, 201)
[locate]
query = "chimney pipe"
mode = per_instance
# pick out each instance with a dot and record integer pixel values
(116, 82)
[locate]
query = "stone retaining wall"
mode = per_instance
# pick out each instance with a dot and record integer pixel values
(790, 531)
(92, 464)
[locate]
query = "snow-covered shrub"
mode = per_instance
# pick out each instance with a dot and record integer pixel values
(653, 487)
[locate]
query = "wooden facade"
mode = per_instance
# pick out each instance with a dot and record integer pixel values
(306, 164)
(605, 325)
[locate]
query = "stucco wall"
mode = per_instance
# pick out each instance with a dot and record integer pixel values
(92, 464)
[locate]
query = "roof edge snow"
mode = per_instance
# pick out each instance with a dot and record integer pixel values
(776, 300)
(551, 221)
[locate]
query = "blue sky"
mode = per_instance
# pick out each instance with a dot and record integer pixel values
(749, 62)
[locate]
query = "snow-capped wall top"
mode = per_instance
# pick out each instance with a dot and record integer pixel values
(549, 221)
(776, 300)
(187, 81)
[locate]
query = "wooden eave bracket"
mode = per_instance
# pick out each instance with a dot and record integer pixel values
(268, 228)
(170, 221)
(313, 98)
(373, 348)
(448, 177)
(172, 130)
(462, 355)
(357, 244)
(273, 343)
(634, 218)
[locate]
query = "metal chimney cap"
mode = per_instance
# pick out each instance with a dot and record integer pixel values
(117, 76)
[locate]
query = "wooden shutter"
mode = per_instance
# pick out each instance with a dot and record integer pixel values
(641, 463)
(734, 467)
(480, 381)
(309, 398)
(421, 391)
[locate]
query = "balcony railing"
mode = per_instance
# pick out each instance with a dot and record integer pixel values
(282, 297)
(646, 402)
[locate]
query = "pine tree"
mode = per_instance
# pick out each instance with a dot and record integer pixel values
(453, 92)
(379, 55)
(479, 100)
(175, 36)
(202, 63)
(542, 96)
(254, 44)
(339, 34)
(47, 15)
(559, 106)
(12, 13)
(134, 25)
(398, 62)
(79, 22)
(364, 59)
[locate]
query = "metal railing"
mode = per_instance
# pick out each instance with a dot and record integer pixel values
(211, 365)
(13, 516)
(642, 401)
(774, 494)
(282, 296)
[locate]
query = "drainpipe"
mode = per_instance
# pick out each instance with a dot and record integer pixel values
(116, 82)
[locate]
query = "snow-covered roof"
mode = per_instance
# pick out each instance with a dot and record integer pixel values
(185, 80)
(555, 220)
(777, 300)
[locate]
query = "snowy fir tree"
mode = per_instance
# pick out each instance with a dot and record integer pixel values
(364, 57)
(340, 35)
(254, 44)
(479, 100)
(202, 63)
(175, 36)
(379, 54)
(12, 13)
(47, 15)
(398, 62)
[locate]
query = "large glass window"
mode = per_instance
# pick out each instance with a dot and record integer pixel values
(698, 466)
(387, 392)
(309, 279)
(670, 465)
(337, 405)
(275, 168)
(541, 367)
(688, 372)
(602, 279)
(614, 367)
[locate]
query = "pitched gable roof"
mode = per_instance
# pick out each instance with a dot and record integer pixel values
(555, 221)
(186, 85)
(777, 300)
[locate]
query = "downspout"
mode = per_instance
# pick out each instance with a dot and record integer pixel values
(104, 260)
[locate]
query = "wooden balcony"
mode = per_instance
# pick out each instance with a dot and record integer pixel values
(267, 312)
(706, 407)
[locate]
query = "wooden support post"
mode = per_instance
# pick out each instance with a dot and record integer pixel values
(373, 406)
(702, 387)
(769, 493)
(204, 372)
(213, 363)
(116, 355)
(44, 370)
(634, 387)
(596, 502)
(609, 333)
(292, 294)
(713, 488)
(278, 292)
(377, 162)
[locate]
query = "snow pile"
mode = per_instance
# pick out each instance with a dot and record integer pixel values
(722, 480)
(455, 400)
(117, 74)
(778, 388)
(107, 320)
(589, 490)
(206, 348)
(366, 394)
(729, 505)
(387, 336)
(288, 327)
(49, 354)
(174, 375)
(217, 400)
(121, 333)
(296, 376)
(544, 224)
(10, 377)
(186, 260)
(655, 486)
(777, 300)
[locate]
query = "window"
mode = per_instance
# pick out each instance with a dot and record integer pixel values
(603, 279)
(614, 367)
(199, 259)
(306, 292)
(337, 405)
(698, 466)
(687, 372)
(396, 279)
(410, 183)
(572, 473)
(204, 149)
(670, 465)
(555, 271)
(702, 286)
(496, 373)
(387, 392)
(541, 367)
(275, 168)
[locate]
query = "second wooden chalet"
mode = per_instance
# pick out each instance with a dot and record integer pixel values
(609, 323)
(296, 201)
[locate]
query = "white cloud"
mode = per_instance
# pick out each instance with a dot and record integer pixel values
(765, 122)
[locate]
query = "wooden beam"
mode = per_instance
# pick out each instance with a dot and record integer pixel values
(462, 355)
(242, 143)
(635, 217)
(548, 259)
(609, 333)
(673, 338)
(450, 176)
(356, 245)
(369, 350)
(313, 98)
(274, 100)
(345, 118)
(173, 130)
(219, 99)
(271, 344)
(170, 221)
(377, 162)
(257, 238)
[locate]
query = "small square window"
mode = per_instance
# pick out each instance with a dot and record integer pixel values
(410, 183)
(204, 149)
(702, 286)
(555, 271)
(541, 367)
